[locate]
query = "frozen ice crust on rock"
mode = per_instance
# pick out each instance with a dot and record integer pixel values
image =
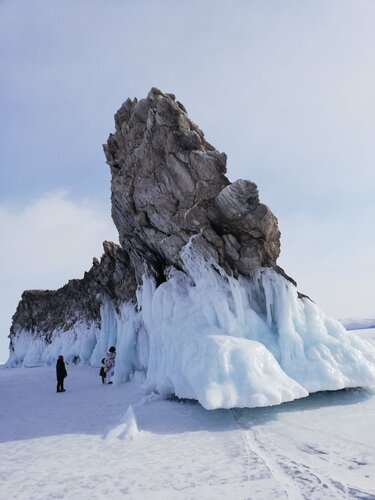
(244, 343)
(223, 341)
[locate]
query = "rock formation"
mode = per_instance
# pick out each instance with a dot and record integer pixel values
(193, 297)
(42, 312)
(169, 184)
(168, 188)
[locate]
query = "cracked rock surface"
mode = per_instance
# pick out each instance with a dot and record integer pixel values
(169, 183)
(42, 311)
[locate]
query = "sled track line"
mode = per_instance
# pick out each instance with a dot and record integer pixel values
(251, 442)
(336, 485)
(249, 450)
(332, 435)
(288, 472)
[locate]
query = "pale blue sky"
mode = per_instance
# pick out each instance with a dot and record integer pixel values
(286, 89)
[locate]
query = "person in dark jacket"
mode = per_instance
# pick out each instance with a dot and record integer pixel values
(102, 372)
(61, 373)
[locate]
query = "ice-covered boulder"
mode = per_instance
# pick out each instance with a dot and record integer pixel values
(193, 298)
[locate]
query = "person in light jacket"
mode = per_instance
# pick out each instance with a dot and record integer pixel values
(109, 364)
(61, 373)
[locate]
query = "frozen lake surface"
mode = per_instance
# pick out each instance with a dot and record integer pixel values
(100, 441)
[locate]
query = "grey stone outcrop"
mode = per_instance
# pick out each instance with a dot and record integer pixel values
(169, 183)
(43, 311)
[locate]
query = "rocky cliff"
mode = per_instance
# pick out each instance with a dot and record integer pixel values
(169, 184)
(42, 312)
(168, 188)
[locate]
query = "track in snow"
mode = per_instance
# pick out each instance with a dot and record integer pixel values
(75, 445)
(301, 470)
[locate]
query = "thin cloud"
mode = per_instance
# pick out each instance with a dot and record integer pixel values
(286, 89)
(330, 256)
(46, 243)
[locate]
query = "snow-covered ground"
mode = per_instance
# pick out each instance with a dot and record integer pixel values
(101, 441)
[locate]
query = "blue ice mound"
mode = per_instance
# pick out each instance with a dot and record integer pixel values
(244, 343)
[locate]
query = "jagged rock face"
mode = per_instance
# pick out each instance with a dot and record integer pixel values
(42, 311)
(169, 184)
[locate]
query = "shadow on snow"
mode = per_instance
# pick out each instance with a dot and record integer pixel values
(31, 408)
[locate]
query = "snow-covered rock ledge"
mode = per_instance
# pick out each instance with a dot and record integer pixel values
(193, 296)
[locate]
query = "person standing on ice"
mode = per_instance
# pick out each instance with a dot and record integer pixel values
(102, 370)
(61, 373)
(109, 362)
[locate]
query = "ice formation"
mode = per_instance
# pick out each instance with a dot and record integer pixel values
(126, 429)
(193, 297)
(224, 341)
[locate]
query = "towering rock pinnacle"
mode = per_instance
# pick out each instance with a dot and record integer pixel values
(169, 184)
(168, 188)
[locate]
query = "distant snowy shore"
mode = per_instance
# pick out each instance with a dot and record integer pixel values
(357, 323)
